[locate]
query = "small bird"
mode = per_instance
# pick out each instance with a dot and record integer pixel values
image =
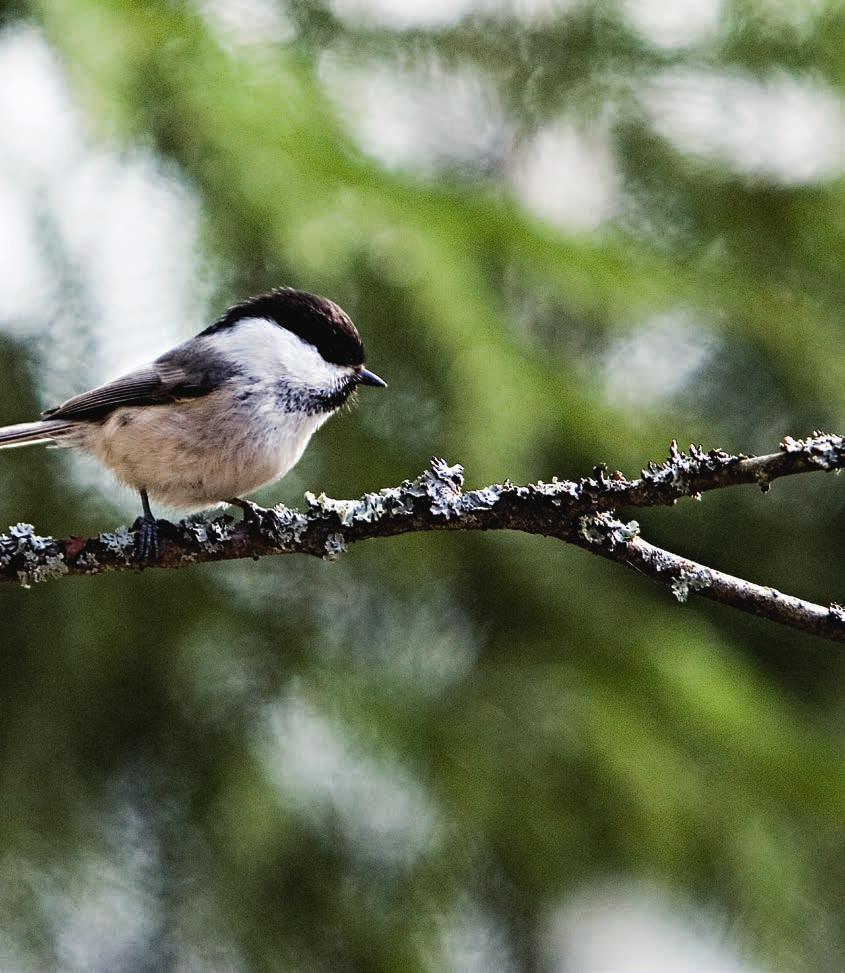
(229, 411)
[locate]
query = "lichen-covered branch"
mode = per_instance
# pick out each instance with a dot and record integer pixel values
(577, 512)
(620, 542)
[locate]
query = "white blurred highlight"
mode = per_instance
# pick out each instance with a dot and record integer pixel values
(419, 119)
(657, 360)
(101, 263)
(799, 17)
(473, 941)
(446, 118)
(245, 23)
(421, 648)
(678, 24)
(111, 914)
(568, 176)
(381, 807)
(787, 129)
(404, 14)
(639, 930)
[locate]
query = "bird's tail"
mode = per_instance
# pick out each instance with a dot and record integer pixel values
(26, 433)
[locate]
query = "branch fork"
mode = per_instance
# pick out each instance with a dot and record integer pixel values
(582, 513)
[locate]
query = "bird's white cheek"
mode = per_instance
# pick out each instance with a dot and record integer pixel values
(266, 352)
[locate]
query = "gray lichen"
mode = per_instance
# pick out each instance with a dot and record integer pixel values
(825, 450)
(335, 546)
(837, 612)
(591, 530)
(210, 535)
(120, 542)
(690, 580)
(389, 502)
(87, 561)
(41, 568)
(443, 485)
(623, 533)
(557, 490)
(437, 495)
(344, 510)
(604, 529)
(285, 526)
(661, 561)
(26, 538)
(31, 557)
(370, 508)
(483, 499)
(681, 469)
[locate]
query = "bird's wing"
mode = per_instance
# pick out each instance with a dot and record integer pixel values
(165, 380)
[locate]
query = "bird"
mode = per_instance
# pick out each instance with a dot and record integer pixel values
(219, 416)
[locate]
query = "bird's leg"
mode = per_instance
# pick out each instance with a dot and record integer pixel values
(251, 511)
(146, 545)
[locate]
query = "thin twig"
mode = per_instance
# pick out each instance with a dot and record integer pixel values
(578, 513)
(611, 539)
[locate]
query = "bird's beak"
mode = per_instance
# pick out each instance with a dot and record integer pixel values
(369, 378)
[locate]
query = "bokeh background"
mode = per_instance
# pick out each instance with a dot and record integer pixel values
(568, 232)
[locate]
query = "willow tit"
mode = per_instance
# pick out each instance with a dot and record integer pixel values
(221, 415)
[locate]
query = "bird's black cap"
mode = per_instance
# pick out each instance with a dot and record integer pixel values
(315, 319)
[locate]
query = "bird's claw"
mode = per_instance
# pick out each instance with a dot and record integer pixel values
(147, 548)
(253, 513)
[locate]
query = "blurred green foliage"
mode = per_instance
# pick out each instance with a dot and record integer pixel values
(297, 766)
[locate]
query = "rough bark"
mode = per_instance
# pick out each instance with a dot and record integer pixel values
(576, 512)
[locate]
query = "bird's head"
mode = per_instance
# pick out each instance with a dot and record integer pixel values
(304, 342)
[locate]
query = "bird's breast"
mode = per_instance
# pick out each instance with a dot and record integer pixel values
(196, 453)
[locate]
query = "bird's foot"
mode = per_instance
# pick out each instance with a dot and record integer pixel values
(253, 514)
(147, 548)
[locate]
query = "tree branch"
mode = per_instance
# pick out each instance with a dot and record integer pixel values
(577, 512)
(613, 540)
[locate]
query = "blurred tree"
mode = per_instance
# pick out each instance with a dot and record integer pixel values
(427, 756)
